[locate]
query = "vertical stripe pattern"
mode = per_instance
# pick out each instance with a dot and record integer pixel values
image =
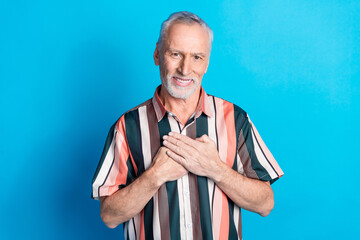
(192, 207)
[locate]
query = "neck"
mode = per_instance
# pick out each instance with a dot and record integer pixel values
(182, 108)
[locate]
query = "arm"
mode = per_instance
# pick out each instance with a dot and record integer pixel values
(129, 201)
(200, 157)
(251, 194)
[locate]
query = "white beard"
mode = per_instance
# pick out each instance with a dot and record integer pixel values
(178, 91)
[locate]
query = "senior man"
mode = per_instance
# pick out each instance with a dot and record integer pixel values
(182, 164)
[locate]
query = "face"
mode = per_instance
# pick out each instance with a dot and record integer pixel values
(183, 59)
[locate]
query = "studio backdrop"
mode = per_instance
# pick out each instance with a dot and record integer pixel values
(70, 69)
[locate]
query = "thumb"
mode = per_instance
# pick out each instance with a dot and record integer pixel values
(204, 138)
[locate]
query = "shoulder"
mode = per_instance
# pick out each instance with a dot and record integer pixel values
(131, 115)
(228, 106)
(146, 103)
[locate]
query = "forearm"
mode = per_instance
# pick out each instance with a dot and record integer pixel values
(129, 201)
(251, 194)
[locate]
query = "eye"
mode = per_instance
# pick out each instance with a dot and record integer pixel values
(197, 57)
(175, 54)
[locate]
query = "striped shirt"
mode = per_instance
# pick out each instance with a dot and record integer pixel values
(192, 207)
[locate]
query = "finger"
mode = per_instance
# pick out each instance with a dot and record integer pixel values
(190, 150)
(207, 140)
(176, 157)
(189, 141)
(204, 138)
(177, 146)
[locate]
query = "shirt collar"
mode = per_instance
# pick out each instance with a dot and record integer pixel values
(204, 105)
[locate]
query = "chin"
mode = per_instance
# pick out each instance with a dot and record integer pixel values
(177, 91)
(180, 93)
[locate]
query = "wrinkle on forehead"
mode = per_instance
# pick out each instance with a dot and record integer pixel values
(189, 39)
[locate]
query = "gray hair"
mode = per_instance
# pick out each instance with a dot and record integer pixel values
(183, 17)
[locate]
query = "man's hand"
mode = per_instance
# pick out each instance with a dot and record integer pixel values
(129, 201)
(166, 169)
(199, 156)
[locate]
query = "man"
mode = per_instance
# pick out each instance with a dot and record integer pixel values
(184, 163)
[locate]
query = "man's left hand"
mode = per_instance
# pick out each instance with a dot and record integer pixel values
(199, 156)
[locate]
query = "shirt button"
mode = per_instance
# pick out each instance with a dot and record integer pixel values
(188, 225)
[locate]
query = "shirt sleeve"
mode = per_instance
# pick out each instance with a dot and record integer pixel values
(256, 160)
(115, 169)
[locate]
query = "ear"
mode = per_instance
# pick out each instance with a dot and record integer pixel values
(207, 65)
(157, 55)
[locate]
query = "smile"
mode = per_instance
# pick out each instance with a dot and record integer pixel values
(182, 82)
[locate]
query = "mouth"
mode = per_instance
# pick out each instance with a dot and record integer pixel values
(182, 82)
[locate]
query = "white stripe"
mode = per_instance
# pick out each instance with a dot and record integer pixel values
(105, 167)
(212, 135)
(136, 220)
(236, 218)
(211, 192)
(211, 123)
(262, 159)
(186, 203)
(156, 219)
(187, 207)
(145, 136)
(239, 164)
(126, 227)
(175, 128)
(173, 124)
(146, 150)
(131, 229)
(221, 129)
(181, 208)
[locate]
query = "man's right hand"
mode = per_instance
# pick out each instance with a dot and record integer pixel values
(165, 168)
(129, 201)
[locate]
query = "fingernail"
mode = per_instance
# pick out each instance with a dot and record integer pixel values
(165, 137)
(165, 142)
(171, 133)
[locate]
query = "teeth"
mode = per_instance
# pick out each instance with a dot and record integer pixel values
(181, 80)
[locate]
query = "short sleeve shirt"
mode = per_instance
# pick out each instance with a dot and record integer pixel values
(192, 207)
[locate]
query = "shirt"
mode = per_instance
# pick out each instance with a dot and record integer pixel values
(192, 207)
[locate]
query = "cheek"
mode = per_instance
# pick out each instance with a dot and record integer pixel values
(170, 66)
(200, 69)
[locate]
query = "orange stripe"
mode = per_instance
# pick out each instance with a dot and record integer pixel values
(231, 135)
(228, 111)
(121, 155)
(142, 229)
(217, 212)
(218, 195)
(224, 228)
(133, 163)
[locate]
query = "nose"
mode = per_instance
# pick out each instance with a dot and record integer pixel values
(185, 66)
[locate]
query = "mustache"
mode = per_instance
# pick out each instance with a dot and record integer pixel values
(183, 78)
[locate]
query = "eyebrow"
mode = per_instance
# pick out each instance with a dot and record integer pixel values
(193, 54)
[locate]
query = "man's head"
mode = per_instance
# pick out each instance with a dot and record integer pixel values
(185, 18)
(183, 52)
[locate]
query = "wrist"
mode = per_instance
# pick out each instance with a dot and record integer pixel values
(156, 178)
(220, 172)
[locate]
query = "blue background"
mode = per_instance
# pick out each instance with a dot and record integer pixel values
(69, 69)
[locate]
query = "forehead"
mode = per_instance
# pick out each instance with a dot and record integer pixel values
(184, 37)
